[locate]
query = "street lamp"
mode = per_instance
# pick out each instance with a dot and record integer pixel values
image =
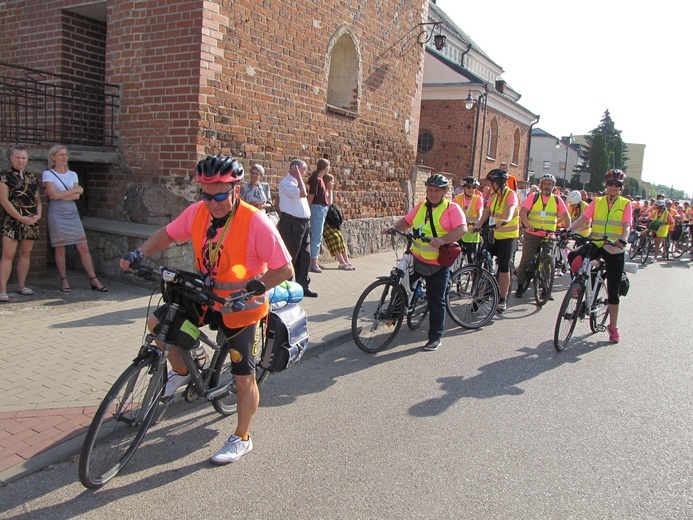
(469, 104)
(567, 142)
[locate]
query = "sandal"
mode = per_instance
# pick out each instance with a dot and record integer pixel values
(4, 298)
(346, 267)
(103, 288)
(26, 292)
(315, 269)
(65, 289)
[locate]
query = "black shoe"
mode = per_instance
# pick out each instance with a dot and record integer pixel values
(309, 294)
(519, 293)
(432, 345)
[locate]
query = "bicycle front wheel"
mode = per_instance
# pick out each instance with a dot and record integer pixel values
(635, 248)
(378, 315)
(682, 246)
(227, 404)
(543, 280)
(568, 316)
(121, 422)
(600, 309)
(472, 297)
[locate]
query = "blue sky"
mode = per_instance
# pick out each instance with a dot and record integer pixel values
(572, 61)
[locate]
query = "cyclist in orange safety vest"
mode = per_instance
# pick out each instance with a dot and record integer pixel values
(233, 243)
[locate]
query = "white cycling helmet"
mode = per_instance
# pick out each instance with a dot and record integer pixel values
(574, 197)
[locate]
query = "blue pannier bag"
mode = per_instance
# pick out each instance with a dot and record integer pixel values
(287, 338)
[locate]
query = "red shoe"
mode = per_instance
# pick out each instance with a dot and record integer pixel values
(613, 334)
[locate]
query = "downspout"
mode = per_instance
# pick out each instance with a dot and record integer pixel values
(529, 145)
(469, 48)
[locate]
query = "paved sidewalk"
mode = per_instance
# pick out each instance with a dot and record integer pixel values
(62, 352)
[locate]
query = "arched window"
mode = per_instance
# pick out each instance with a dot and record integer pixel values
(425, 141)
(492, 139)
(516, 147)
(343, 87)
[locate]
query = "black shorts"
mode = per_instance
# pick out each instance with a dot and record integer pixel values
(503, 250)
(245, 342)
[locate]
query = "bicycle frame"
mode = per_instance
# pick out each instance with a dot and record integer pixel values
(590, 281)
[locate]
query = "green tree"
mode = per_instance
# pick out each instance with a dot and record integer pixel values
(631, 187)
(597, 163)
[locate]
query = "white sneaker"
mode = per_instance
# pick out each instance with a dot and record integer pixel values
(653, 260)
(174, 382)
(232, 450)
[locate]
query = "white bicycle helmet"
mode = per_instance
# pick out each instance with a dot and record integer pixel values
(574, 197)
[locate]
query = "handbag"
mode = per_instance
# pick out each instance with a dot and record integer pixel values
(447, 253)
(273, 215)
(654, 225)
(624, 285)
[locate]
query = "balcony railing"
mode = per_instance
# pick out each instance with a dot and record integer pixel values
(37, 107)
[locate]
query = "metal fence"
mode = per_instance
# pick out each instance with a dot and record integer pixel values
(38, 107)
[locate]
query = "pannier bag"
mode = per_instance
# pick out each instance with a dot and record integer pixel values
(287, 338)
(624, 285)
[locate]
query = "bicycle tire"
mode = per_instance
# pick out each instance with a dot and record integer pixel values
(634, 249)
(600, 309)
(645, 250)
(568, 315)
(472, 297)
(543, 280)
(378, 315)
(682, 246)
(227, 404)
(419, 311)
(120, 423)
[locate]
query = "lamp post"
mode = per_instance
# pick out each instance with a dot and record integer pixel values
(469, 104)
(566, 142)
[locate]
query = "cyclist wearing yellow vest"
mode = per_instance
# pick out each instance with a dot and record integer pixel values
(472, 204)
(502, 214)
(611, 217)
(233, 243)
(539, 215)
(659, 213)
(450, 225)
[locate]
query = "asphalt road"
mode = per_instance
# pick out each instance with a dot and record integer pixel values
(495, 424)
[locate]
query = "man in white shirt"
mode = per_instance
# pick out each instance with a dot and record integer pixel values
(294, 223)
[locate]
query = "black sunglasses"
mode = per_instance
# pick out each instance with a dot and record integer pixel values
(218, 197)
(614, 183)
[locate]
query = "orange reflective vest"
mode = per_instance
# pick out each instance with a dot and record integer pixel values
(231, 273)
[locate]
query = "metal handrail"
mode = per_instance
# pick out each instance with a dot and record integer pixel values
(41, 107)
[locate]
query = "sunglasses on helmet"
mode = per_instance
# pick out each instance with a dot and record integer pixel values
(218, 197)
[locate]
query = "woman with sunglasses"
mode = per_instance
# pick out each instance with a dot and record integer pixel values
(611, 216)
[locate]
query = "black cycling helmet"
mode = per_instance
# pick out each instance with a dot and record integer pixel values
(470, 181)
(218, 168)
(615, 175)
(439, 181)
(497, 175)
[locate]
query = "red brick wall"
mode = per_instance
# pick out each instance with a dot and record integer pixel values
(452, 127)
(249, 79)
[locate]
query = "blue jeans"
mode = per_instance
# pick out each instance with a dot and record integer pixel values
(436, 285)
(318, 213)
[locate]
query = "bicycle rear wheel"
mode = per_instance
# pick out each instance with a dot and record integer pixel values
(568, 315)
(121, 422)
(378, 315)
(600, 309)
(543, 280)
(419, 311)
(227, 404)
(683, 245)
(472, 297)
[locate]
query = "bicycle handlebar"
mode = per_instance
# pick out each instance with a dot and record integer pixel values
(194, 283)
(409, 236)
